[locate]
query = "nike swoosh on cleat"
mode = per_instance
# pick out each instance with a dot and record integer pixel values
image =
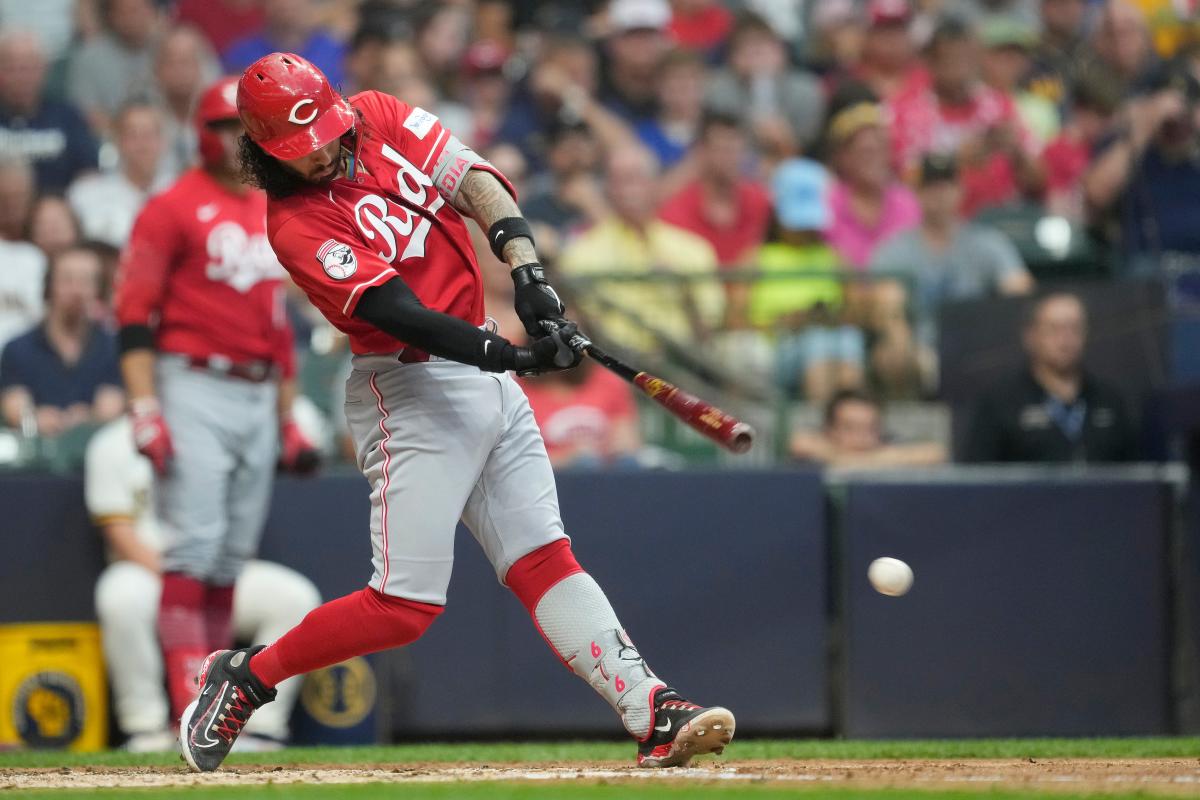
(206, 725)
(666, 726)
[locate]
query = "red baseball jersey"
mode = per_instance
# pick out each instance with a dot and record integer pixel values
(390, 219)
(199, 271)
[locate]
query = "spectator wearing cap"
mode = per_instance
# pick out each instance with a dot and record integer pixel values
(289, 26)
(867, 203)
(819, 352)
(118, 65)
(661, 283)
(107, 203)
(889, 62)
(700, 25)
(783, 106)
(1052, 410)
(636, 42)
(853, 436)
(729, 210)
(52, 136)
(672, 130)
(184, 64)
(1090, 118)
(945, 258)
(1006, 62)
(486, 90)
(64, 370)
(959, 115)
(1147, 172)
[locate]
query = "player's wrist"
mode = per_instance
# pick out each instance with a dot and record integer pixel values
(145, 406)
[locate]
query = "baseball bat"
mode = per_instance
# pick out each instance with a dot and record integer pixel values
(724, 429)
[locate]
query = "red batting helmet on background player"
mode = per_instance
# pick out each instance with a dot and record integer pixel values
(288, 107)
(217, 104)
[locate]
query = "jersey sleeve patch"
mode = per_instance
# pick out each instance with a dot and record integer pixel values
(337, 259)
(420, 122)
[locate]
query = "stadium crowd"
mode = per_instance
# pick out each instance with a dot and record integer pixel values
(789, 188)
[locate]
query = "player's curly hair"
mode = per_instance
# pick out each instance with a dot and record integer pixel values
(265, 172)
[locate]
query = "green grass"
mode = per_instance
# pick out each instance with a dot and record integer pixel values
(515, 753)
(494, 791)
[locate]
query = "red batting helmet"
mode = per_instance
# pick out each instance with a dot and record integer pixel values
(288, 107)
(217, 104)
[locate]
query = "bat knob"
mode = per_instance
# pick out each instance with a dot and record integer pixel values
(741, 438)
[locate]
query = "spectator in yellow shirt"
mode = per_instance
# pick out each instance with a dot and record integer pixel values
(632, 243)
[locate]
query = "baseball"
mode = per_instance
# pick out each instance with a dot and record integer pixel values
(890, 576)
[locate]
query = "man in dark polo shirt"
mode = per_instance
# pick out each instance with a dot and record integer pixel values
(63, 371)
(1053, 410)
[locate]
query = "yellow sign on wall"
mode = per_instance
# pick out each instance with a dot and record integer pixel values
(52, 686)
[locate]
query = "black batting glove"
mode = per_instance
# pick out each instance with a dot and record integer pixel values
(536, 301)
(551, 353)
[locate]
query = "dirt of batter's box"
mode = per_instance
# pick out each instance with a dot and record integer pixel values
(1158, 776)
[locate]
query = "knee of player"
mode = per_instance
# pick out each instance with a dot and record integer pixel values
(532, 575)
(127, 594)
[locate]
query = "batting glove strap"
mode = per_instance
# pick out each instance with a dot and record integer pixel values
(535, 300)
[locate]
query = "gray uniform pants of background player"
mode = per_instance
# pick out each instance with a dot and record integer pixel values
(440, 441)
(213, 500)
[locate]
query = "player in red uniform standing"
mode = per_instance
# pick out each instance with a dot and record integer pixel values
(207, 359)
(367, 199)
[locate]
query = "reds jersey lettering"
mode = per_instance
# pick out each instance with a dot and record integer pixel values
(375, 220)
(239, 259)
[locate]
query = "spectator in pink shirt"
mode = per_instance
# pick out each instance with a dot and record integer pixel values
(867, 203)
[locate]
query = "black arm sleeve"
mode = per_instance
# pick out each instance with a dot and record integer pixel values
(394, 309)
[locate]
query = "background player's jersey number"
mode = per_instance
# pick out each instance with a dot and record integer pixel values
(374, 217)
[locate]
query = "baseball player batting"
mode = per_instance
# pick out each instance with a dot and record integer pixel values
(367, 199)
(206, 353)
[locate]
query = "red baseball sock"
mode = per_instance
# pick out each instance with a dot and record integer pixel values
(218, 617)
(183, 636)
(363, 622)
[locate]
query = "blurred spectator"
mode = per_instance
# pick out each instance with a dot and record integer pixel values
(959, 115)
(118, 65)
(867, 203)
(1006, 63)
(383, 57)
(631, 243)
(289, 26)
(944, 259)
(1121, 45)
(567, 196)
(22, 265)
(442, 36)
(1058, 50)
(53, 226)
(486, 91)
(1092, 109)
(64, 370)
(51, 135)
(183, 65)
(889, 53)
(729, 210)
(1054, 409)
(835, 44)
(673, 129)
(51, 21)
(852, 436)
(634, 49)
(221, 21)
(818, 351)
(587, 417)
(1148, 173)
(108, 203)
(784, 107)
(700, 25)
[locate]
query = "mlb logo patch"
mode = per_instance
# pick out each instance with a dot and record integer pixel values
(337, 259)
(420, 122)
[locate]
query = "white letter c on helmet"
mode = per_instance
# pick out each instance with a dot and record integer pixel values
(292, 117)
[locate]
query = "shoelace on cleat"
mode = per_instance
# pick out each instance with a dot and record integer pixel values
(678, 705)
(235, 716)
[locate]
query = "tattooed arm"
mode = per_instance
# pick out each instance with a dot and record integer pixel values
(484, 199)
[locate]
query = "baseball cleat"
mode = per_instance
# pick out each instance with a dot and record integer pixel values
(229, 694)
(680, 730)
